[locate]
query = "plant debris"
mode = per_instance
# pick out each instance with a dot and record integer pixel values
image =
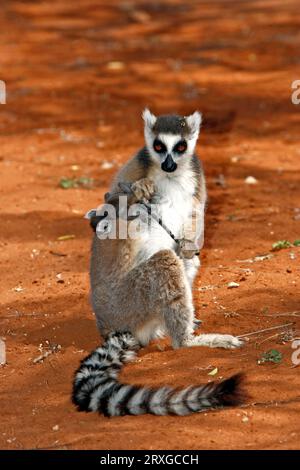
(51, 349)
(213, 372)
(254, 333)
(62, 238)
(205, 288)
(255, 259)
(83, 182)
(56, 253)
(283, 244)
(272, 355)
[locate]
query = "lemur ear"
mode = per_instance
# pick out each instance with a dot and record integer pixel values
(194, 122)
(91, 213)
(149, 118)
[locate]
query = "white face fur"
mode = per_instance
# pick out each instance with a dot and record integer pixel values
(171, 151)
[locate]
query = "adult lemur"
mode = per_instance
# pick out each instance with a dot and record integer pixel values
(142, 285)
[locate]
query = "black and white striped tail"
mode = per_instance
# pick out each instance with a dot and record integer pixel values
(96, 386)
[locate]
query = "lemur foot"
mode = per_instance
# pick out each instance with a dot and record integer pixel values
(215, 340)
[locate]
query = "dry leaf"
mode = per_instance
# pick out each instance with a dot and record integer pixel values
(65, 237)
(213, 372)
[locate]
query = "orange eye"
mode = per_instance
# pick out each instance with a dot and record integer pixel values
(159, 146)
(180, 147)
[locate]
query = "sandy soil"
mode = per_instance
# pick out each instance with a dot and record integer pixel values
(78, 75)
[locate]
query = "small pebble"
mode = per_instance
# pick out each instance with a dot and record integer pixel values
(251, 180)
(106, 166)
(232, 285)
(115, 65)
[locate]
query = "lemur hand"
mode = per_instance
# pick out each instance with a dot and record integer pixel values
(141, 189)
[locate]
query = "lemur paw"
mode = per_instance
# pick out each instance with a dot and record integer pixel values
(143, 189)
(229, 342)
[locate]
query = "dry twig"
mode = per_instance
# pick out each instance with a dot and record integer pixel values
(252, 333)
(287, 314)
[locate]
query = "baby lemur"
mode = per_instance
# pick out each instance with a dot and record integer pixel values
(141, 286)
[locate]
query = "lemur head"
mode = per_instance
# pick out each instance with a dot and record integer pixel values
(171, 139)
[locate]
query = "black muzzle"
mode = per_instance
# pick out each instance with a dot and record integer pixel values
(169, 165)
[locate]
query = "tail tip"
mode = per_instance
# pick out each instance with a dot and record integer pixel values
(231, 391)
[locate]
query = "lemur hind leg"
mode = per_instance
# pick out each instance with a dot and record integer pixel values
(175, 297)
(191, 266)
(162, 282)
(216, 340)
(213, 340)
(153, 329)
(159, 286)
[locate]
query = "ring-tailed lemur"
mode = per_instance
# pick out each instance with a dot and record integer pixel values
(141, 286)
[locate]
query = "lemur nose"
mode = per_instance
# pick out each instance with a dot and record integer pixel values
(168, 164)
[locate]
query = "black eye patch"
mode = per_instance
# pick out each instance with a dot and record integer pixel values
(180, 147)
(159, 146)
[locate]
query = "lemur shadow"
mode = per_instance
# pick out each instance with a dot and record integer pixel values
(41, 225)
(68, 319)
(64, 319)
(252, 119)
(268, 202)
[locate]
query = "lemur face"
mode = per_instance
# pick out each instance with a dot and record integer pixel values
(171, 139)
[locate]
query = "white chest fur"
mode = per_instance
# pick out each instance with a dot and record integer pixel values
(173, 203)
(174, 199)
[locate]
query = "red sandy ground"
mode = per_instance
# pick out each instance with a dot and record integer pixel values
(78, 75)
